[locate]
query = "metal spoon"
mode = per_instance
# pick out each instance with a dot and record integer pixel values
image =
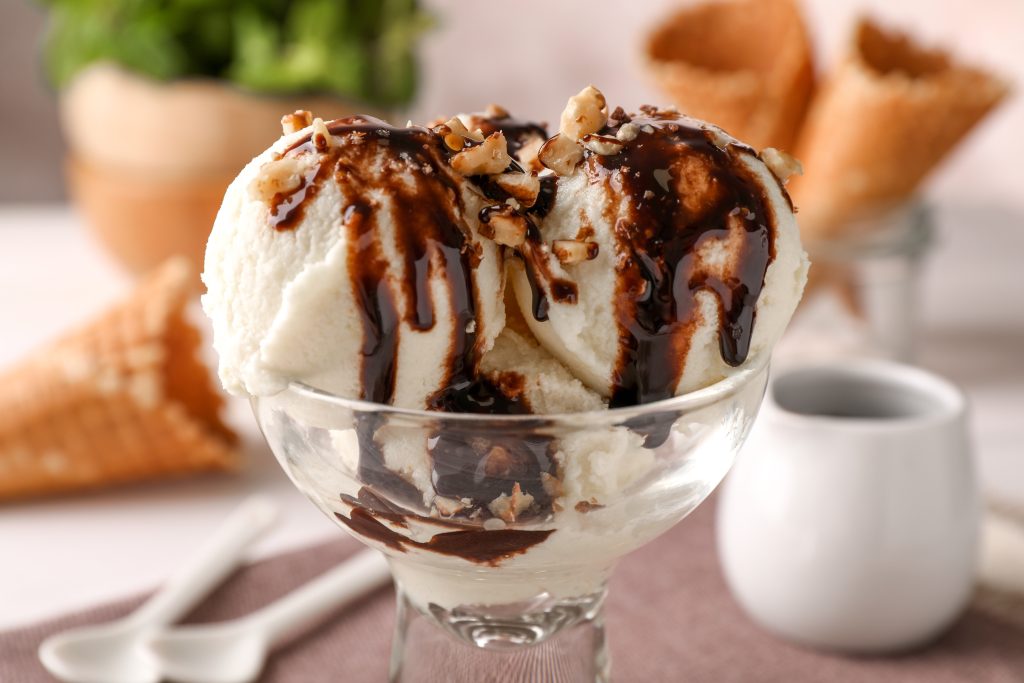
(113, 652)
(235, 651)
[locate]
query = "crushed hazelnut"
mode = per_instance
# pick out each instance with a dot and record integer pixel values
(509, 507)
(561, 154)
(783, 165)
(602, 144)
(523, 187)
(627, 132)
(488, 158)
(448, 506)
(455, 133)
(495, 111)
(618, 116)
(505, 227)
(585, 506)
(585, 112)
(574, 251)
(322, 138)
(529, 152)
(281, 176)
(552, 485)
(294, 122)
(494, 524)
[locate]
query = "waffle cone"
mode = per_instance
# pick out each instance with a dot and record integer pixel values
(122, 399)
(744, 65)
(886, 117)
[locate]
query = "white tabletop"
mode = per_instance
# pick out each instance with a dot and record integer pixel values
(64, 553)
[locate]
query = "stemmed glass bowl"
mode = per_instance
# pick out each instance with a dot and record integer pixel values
(502, 530)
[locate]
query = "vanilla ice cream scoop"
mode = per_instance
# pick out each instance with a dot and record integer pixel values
(650, 255)
(348, 256)
(668, 257)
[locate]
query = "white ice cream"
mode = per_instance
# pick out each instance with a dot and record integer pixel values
(310, 302)
(585, 335)
(283, 303)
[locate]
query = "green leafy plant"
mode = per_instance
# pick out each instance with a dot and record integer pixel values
(360, 49)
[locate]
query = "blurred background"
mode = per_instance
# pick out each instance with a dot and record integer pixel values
(528, 55)
(963, 297)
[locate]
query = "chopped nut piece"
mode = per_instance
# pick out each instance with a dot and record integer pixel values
(585, 506)
(280, 176)
(618, 116)
(322, 138)
(455, 133)
(627, 132)
(494, 524)
(509, 507)
(783, 165)
(448, 506)
(496, 111)
(586, 112)
(528, 154)
(602, 144)
(504, 226)
(523, 187)
(292, 123)
(488, 158)
(573, 251)
(552, 485)
(561, 154)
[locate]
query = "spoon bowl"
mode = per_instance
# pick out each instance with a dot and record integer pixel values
(99, 654)
(114, 652)
(235, 651)
(222, 653)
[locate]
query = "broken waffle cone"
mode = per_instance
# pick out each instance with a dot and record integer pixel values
(744, 65)
(886, 117)
(122, 399)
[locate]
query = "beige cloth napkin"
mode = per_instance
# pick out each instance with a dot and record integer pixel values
(670, 619)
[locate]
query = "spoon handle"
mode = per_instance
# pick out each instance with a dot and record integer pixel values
(212, 563)
(322, 596)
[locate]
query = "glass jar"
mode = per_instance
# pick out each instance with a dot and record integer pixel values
(862, 295)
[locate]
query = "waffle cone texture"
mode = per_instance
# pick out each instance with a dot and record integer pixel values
(868, 134)
(744, 65)
(123, 399)
(886, 116)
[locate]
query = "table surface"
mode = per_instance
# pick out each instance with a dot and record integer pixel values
(70, 552)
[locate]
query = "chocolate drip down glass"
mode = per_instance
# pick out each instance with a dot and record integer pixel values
(507, 582)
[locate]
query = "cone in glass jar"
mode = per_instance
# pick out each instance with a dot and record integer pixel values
(883, 119)
(122, 399)
(744, 65)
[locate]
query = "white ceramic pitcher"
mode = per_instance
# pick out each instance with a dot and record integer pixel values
(850, 519)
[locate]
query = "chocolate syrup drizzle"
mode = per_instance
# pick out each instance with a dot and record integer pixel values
(483, 547)
(430, 232)
(682, 189)
(656, 305)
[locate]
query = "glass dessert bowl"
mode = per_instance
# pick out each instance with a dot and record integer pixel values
(502, 530)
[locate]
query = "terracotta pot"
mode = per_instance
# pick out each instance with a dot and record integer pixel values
(150, 161)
